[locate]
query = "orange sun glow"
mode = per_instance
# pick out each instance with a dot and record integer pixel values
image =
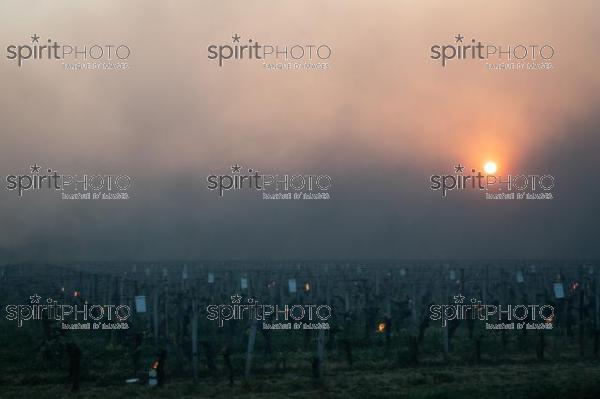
(490, 167)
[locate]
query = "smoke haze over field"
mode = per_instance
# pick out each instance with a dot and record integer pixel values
(380, 122)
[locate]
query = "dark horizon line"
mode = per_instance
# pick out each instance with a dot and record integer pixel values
(292, 260)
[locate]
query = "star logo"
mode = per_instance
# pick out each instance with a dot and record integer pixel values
(236, 298)
(459, 168)
(35, 168)
(35, 298)
(236, 168)
(459, 38)
(236, 38)
(459, 298)
(35, 38)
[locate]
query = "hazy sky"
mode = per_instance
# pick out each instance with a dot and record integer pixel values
(379, 121)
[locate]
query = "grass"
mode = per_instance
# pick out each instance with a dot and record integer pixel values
(369, 378)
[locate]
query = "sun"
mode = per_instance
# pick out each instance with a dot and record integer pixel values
(490, 167)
